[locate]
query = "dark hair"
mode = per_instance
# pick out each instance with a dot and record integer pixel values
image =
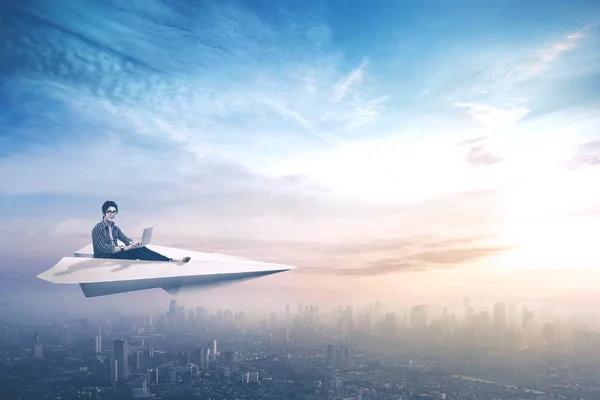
(107, 204)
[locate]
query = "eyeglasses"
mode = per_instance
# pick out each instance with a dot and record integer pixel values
(112, 212)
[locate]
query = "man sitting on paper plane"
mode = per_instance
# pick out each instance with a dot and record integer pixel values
(106, 233)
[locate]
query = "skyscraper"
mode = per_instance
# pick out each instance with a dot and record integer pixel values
(499, 316)
(38, 351)
(98, 344)
(201, 357)
(390, 323)
(419, 317)
(114, 370)
(122, 357)
(330, 351)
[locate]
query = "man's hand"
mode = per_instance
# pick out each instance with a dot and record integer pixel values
(133, 246)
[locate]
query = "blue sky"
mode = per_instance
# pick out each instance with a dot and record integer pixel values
(304, 122)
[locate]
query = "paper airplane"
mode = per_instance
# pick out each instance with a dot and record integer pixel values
(105, 276)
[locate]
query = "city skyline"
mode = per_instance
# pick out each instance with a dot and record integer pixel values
(366, 352)
(412, 152)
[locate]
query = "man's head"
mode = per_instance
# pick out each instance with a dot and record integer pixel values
(109, 210)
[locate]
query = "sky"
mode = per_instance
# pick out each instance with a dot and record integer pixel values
(401, 151)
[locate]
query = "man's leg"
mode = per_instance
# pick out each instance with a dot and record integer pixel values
(151, 255)
(141, 253)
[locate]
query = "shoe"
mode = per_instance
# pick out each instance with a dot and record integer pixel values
(185, 259)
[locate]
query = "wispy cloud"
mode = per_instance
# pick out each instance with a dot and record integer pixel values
(345, 84)
(541, 60)
(179, 122)
(447, 258)
(520, 68)
(190, 102)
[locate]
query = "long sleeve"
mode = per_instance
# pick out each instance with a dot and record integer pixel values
(103, 246)
(122, 237)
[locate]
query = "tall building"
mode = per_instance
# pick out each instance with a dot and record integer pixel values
(98, 344)
(139, 359)
(122, 357)
(114, 370)
(253, 377)
(148, 323)
(499, 316)
(390, 323)
(38, 351)
(330, 355)
(148, 353)
(173, 309)
(201, 357)
(100, 369)
(527, 323)
(273, 320)
(153, 375)
(350, 318)
(229, 356)
(419, 318)
(214, 349)
(249, 377)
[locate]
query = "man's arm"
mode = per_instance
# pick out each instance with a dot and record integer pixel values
(102, 243)
(122, 237)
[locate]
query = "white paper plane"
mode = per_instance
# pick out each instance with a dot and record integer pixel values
(106, 276)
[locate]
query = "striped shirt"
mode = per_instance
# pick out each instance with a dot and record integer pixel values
(105, 241)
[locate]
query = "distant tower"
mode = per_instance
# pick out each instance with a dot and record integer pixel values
(37, 346)
(122, 357)
(153, 375)
(330, 350)
(38, 351)
(98, 344)
(173, 309)
(419, 317)
(201, 357)
(499, 316)
(139, 359)
(390, 323)
(114, 370)
(527, 323)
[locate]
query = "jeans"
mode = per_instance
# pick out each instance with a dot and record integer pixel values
(141, 253)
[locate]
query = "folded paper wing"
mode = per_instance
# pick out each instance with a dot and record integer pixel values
(105, 276)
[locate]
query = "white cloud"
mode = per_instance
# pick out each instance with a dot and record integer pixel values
(494, 118)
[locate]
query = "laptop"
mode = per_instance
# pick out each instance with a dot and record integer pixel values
(147, 236)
